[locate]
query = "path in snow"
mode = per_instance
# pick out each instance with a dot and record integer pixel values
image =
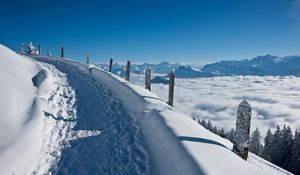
(59, 102)
(119, 149)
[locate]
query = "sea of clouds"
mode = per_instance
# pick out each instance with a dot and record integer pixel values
(274, 100)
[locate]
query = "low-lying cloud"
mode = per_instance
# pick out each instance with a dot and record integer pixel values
(274, 100)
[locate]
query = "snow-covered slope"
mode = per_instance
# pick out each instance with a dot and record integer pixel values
(65, 118)
(31, 140)
(18, 119)
(175, 143)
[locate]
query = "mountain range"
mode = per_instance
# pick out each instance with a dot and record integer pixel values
(267, 65)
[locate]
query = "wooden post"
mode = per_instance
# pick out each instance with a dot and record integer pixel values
(22, 48)
(110, 65)
(39, 49)
(128, 71)
(242, 132)
(88, 59)
(171, 87)
(62, 51)
(148, 78)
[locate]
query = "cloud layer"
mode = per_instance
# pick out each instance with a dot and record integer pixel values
(274, 100)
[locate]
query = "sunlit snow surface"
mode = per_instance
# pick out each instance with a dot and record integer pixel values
(274, 100)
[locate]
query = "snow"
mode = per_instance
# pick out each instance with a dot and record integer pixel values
(18, 120)
(30, 141)
(175, 143)
(78, 120)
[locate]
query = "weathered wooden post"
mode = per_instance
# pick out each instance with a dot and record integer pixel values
(40, 50)
(22, 48)
(49, 53)
(62, 52)
(88, 59)
(242, 132)
(148, 78)
(128, 71)
(171, 87)
(110, 64)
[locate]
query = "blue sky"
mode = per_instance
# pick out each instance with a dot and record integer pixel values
(153, 31)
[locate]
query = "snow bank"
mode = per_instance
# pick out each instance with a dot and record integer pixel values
(178, 145)
(18, 107)
(31, 142)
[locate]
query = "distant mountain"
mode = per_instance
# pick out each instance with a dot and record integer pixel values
(260, 66)
(267, 65)
(160, 68)
(189, 72)
(159, 79)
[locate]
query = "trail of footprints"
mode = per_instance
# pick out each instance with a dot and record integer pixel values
(60, 118)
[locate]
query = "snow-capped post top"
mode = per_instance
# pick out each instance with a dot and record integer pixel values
(148, 78)
(171, 87)
(31, 49)
(241, 136)
(128, 71)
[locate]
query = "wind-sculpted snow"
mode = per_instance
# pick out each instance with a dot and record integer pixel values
(119, 149)
(274, 100)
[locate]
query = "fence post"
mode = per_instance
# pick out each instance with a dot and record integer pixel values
(62, 52)
(110, 64)
(148, 78)
(88, 59)
(40, 50)
(128, 71)
(22, 48)
(171, 87)
(242, 132)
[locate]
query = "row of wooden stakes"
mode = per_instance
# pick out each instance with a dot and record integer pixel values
(147, 76)
(148, 79)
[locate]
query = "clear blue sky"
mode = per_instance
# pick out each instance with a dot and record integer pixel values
(153, 31)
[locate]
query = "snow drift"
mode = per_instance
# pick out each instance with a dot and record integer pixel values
(19, 119)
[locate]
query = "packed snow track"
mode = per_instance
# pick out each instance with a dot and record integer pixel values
(118, 149)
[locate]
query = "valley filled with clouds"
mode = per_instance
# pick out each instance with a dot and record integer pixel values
(274, 100)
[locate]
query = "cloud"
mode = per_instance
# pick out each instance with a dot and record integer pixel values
(274, 100)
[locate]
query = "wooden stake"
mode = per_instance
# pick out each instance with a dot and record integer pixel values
(88, 59)
(128, 71)
(148, 78)
(40, 49)
(171, 87)
(110, 65)
(242, 132)
(62, 52)
(22, 48)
